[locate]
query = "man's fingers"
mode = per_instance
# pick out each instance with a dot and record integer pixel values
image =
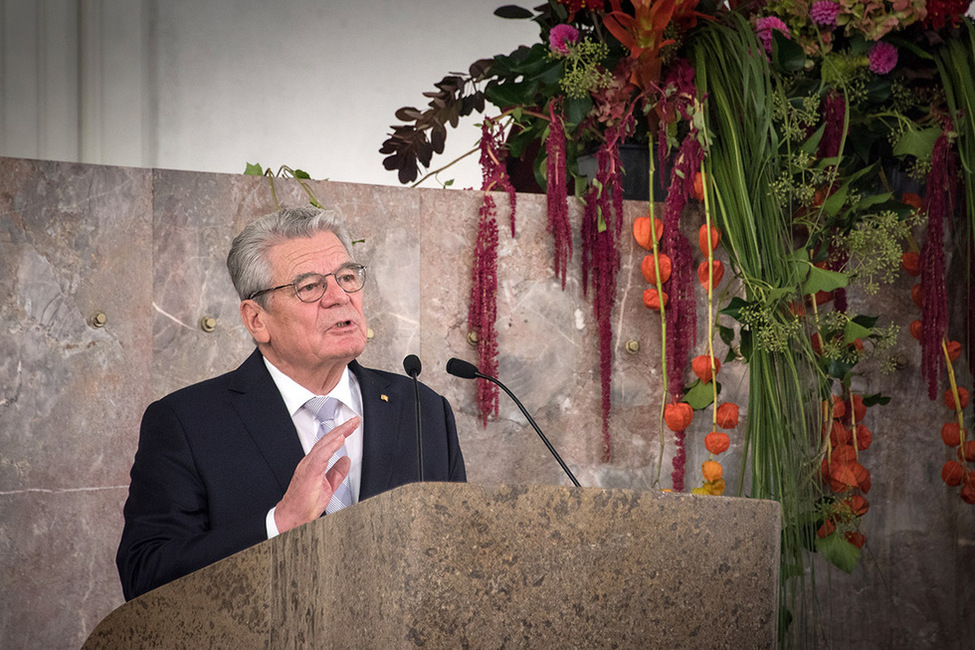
(331, 442)
(339, 471)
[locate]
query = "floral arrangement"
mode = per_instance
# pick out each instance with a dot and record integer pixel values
(860, 117)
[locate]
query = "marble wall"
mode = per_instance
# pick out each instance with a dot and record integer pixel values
(146, 248)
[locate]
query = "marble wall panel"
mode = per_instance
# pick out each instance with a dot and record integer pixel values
(75, 240)
(148, 247)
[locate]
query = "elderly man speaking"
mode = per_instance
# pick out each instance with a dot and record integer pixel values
(299, 430)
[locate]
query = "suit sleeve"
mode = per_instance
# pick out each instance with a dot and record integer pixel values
(168, 531)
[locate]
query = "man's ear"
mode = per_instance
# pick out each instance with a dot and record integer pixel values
(253, 316)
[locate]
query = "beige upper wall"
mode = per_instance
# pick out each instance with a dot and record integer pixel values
(210, 85)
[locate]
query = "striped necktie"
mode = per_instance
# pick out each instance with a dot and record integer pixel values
(324, 410)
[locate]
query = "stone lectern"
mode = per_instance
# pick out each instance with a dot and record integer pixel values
(440, 565)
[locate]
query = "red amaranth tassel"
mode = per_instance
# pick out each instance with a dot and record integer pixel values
(834, 116)
(556, 193)
(601, 229)
(940, 194)
(483, 309)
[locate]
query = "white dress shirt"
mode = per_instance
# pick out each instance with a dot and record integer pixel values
(347, 393)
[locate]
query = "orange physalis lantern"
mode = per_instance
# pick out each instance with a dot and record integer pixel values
(641, 231)
(717, 271)
(712, 470)
(678, 416)
(707, 243)
(649, 269)
(717, 442)
(727, 415)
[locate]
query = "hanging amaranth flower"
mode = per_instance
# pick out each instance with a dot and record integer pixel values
(556, 193)
(601, 227)
(940, 199)
(483, 305)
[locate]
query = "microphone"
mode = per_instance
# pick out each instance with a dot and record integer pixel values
(465, 370)
(411, 364)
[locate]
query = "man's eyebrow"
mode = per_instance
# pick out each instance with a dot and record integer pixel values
(304, 276)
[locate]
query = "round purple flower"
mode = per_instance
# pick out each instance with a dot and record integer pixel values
(561, 37)
(824, 12)
(764, 27)
(883, 57)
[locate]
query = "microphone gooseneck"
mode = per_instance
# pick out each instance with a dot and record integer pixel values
(411, 364)
(466, 370)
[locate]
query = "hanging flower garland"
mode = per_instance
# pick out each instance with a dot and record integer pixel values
(483, 308)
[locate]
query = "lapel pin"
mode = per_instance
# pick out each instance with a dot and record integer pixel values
(384, 397)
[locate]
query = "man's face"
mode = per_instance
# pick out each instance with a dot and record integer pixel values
(309, 341)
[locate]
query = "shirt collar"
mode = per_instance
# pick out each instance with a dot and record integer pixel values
(295, 395)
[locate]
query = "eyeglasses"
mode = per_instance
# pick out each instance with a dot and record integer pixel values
(311, 286)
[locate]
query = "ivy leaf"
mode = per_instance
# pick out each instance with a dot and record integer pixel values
(727, 334)
(511, 94)
(839, 552)
(734, 308)
(866, 321)
(745, 347)
(823, 280)
(700, 395)
(854, 331)
(875, 399)
(786, 53)
(838, 369)
(577, 108)
(919, 144)
(253, 169)
(731, 356)
(302, 174)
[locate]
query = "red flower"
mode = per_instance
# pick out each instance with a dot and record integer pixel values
(951, 434)
(649, 269)
(717, 271)
(911, 262)
(717, 442)
(967, 451)
(827, 529)
(641, 231)
(864, 437)
(703, 239)
(652, 301)
(954, 350)
(702, 367)
(952, 473)
(857, 504)
(727, 415)
(855, 538)
(962, 398)
(916, 329)
(678, 416)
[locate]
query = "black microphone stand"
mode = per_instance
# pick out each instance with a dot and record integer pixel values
(411, 364)
(465, 370)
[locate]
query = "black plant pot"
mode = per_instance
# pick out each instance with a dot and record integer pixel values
(636, 172)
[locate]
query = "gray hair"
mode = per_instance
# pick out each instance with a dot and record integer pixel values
(250, 269)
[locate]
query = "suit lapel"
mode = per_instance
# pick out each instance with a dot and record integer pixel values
(384, 411)
(261, 409)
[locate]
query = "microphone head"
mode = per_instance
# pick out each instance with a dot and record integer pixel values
(411, 364)
(463, 369)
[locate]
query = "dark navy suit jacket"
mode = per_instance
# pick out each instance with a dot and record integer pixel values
(215, 457)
